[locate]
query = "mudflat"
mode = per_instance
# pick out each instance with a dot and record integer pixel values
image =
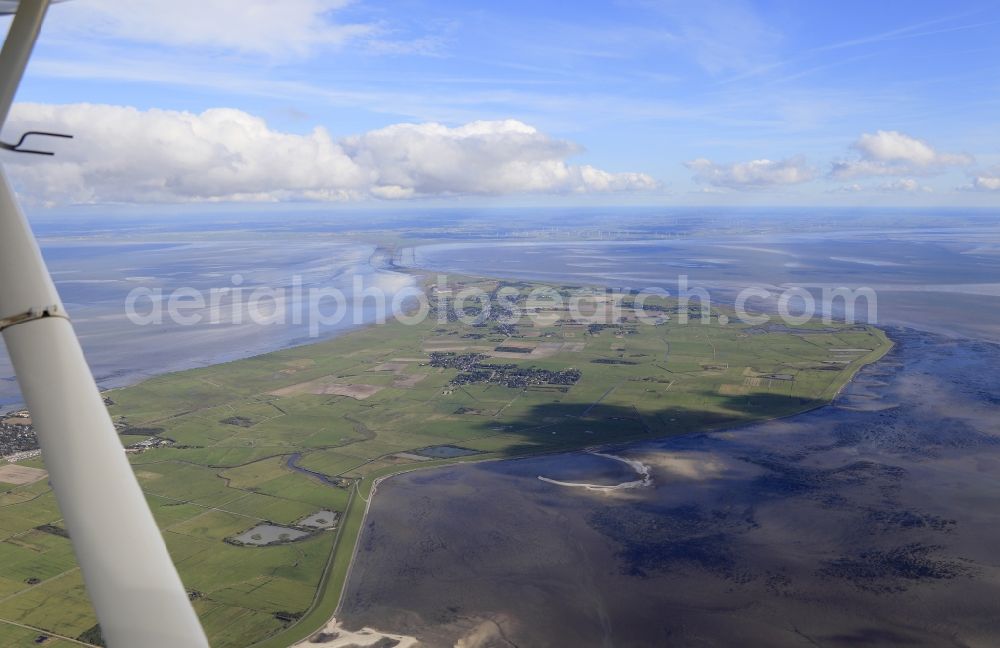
(872, 521)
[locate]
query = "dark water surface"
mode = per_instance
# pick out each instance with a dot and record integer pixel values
(872, 522)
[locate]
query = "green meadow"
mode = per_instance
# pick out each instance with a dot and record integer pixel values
(364, 406)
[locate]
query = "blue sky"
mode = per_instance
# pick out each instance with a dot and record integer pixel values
(709, 102)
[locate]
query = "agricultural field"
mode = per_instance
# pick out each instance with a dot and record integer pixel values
(229, 453)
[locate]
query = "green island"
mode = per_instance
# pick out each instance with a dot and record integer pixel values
(260, 471)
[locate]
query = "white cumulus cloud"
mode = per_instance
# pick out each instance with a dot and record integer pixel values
(854, 187)
(754, 174)
(122, 154)
(984, 181)
(895, 154)
(899, 185)
(907, 185)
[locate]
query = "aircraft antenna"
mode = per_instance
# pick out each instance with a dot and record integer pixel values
(19, 147)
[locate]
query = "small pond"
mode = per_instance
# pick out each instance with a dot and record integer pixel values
(264, 534)
(320, 520)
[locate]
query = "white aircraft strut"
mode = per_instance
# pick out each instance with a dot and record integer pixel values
(136, 592)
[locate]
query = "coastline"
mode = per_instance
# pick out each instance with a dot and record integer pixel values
(293, 637)
(380, 260)
(854, 480)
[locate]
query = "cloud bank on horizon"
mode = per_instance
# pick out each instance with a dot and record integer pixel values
(655, 102)
(121, 154)
(125, 155)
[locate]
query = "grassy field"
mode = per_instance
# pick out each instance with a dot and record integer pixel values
(361, 407)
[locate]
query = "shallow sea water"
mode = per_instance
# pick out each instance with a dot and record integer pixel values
(845, 526)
